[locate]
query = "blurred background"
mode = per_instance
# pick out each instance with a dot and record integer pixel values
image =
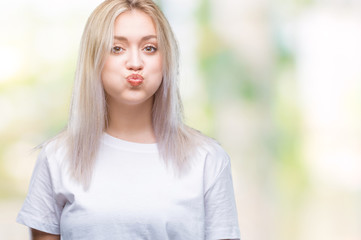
(277, 82)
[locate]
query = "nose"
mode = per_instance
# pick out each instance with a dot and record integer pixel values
(134, 61)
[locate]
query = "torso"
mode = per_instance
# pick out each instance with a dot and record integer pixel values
(133, 196)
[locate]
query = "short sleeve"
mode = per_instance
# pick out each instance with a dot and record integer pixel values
(220, 206)
(40, 209)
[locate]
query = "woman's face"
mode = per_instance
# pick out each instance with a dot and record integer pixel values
(132, 72)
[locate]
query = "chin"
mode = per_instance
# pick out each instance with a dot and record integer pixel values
(138, 101)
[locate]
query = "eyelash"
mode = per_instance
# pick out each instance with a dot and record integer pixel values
(154, 49)
(118, 50)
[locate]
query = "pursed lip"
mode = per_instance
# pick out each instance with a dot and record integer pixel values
(135, 79)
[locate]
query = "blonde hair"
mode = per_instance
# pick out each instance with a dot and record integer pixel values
(88, 113)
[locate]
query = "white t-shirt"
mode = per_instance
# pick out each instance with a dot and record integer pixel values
(132, 196)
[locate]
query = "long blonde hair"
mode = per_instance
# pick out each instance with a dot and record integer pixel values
(88, 113)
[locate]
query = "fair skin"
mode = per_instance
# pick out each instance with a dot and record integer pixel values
(134, 51)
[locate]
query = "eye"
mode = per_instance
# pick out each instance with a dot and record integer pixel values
(150, 49)
(117, 49)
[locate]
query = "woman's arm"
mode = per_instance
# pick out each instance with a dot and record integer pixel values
(38, 235)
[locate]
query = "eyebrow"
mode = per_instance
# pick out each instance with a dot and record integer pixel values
(145, 38)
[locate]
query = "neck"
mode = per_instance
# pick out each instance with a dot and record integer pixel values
(131, 122)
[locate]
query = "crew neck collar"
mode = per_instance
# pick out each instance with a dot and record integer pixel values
(129, 146)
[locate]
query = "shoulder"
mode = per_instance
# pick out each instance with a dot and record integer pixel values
(52, 151)
(216, 158)
(216, 164)
(210, 150)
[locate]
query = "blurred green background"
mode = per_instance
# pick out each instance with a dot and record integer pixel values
(276, 82)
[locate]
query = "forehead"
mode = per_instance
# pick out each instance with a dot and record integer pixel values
(134, 23)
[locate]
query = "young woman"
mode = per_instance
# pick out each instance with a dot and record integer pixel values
(127, 167)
